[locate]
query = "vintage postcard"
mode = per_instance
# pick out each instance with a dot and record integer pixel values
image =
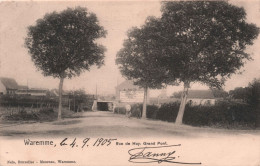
(85, 83)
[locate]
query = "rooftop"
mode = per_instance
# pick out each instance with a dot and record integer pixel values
(9, 83)
(128, 84)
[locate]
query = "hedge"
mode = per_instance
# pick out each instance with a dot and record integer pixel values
(223, 114)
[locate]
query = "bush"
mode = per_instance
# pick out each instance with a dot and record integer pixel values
(168, 112)
(136, 110)
(120, 110)
(199, 115)
(46, 111)
(223, 114)
(151, 111)
(44, 114)
(22, 115)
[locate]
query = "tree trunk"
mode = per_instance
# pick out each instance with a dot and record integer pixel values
(144, 103)
(183, 104)
(60, 98)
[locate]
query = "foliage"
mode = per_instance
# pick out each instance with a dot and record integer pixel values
(207, 39)
(249, 94)
(254, 93)
(139, 61)
(136, 110)
(224, 114)
(219, 93)
(177, 95)
(27, 101)
(168, 112)
(44, 114)
(78, 92)
(63, 44)
(239, 93)
(151, 111)
(204, 41)
(120, 110)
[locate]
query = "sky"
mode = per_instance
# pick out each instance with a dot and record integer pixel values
(117, 17)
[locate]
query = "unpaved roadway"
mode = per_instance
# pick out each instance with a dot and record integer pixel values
(100, 124)
(208, 146)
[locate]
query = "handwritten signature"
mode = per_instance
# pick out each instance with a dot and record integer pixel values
(157, 154)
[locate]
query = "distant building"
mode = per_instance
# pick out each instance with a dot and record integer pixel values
(8, 86)
(127, 92)
(32, 92)
(22, 87)
(201, 97)
(22, 90)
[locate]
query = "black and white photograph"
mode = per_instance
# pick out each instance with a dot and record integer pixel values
(99, 83)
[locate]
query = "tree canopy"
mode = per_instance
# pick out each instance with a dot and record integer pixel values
(204, 41)
(193, 41)
(138, 60)
(63, 44)
(206, 38)
(249, 94)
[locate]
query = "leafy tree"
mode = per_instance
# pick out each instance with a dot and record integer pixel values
(249, 94)
(78, 92)
(204, 42)
(254, 93)
(254, 98)
(177, 95)
(219, 93)
(138, 60)
(239, 93)
(63, 44)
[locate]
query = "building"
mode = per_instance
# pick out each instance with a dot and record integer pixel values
(22, 90)
(127, 92)
(8, 86)
(22, 87)
(201, 97)
(32, 92)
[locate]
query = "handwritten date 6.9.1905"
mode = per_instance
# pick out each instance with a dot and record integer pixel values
(86, 142)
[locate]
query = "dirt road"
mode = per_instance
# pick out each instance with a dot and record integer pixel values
(98, 124)
(211, 147)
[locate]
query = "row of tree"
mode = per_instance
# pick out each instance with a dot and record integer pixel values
(198, 41)
(217, 93)
(249, 94)
(201, 41)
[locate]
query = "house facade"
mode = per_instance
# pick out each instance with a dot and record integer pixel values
(8, 86)
(127, 92)
(201, 97)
